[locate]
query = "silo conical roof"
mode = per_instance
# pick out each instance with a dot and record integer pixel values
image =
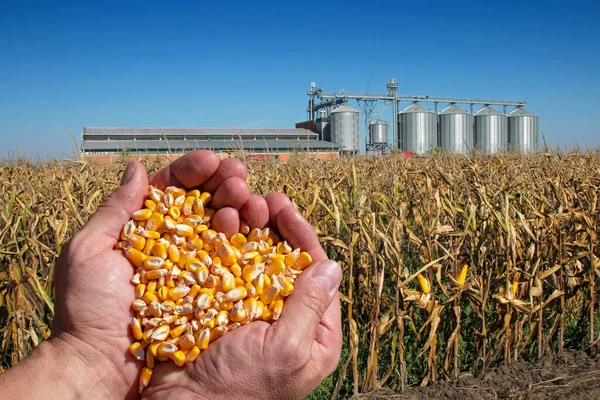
(453, 109)
(344, 108)
(487, 110)
(417, 108)
(521, 112)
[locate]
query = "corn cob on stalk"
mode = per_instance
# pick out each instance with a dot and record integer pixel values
(192, 284)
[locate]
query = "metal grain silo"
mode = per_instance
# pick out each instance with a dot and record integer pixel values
(523, 130)
(418, 129)
(345, 128)
(491, 130)
(378, 132)
(456, 129)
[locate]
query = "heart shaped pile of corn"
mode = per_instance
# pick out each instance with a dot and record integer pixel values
(193, 284)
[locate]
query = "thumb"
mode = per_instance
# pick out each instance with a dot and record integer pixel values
(114, 212)
(314, 291)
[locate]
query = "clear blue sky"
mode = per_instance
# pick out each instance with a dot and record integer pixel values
(66, 65)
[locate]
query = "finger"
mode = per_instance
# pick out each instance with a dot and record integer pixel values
(233, 193)
(294, 228)
(314, 291)
(226, 220)
(228, 168)
(191, 170)
(276, 202)
(104, 227)
(255, 212)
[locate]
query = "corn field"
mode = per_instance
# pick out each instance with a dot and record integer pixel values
(525, 227)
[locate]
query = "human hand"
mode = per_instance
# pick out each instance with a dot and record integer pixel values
(93, 281)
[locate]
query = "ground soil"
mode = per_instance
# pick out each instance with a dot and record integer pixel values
(572, 375)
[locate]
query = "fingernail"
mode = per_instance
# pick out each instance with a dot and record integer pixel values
(328, 275)
(127, 174)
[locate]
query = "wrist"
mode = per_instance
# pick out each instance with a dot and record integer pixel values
(60, 368)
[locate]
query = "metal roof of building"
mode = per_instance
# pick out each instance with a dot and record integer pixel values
(417, 108)
(197, 131)
(178, 145)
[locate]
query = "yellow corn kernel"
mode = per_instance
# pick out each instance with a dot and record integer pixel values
(153, 348)
(134, 256)
(151, 287)
(183, 230)
(149, 359)
(252, 271)
(185, 257)
(137, 350)
(195, 244)
(174, 253)
(150, 204)
(148, 247)
(238, 313)
(177, 293)
(193, 193)
(463, 275)
(203, 339)
(175, 332)
(156, 274)
(236, 270)
(227, 255)
(194, 290)
(201, 228)
(238, 240)
(250, 308)
(155, 194)
(424, 284)
(142, 215)
(140, 290)
(217, 332)
(153, 263)
(236, 294)
(205, 197)
(228, 281)
(150, 234)
(187, 205)
(166, 349)
(169, 225)
(204, 301)
(121, 245)
(163, 293)
(149, 298)
(159, 250)
(138, 242)
(267, 315)
(286, 285)
(193, 354)
(175, 191)
(292, 257)
(259, 284)
(303, 261)
(269, 294)
(276, 307)
(145, 377)
(161, 333)
(136, 329)
(155, 222)
(225, 306)
(174, 212)
(244, 228)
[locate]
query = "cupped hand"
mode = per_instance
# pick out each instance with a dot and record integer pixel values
(94, 292)
(93, 281)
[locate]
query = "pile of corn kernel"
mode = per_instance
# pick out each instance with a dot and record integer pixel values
(192, 284)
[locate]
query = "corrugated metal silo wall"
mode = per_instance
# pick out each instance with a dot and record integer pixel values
(456, 132)
(523, 133)
(345, 130)
(491, 133)
(378, 133)
(419, 131)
